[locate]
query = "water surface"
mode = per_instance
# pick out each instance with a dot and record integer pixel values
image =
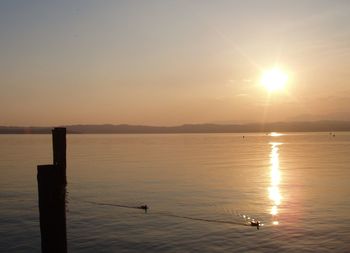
(296, 184)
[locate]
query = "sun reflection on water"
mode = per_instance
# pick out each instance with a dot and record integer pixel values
(275, 134)
(274, 191)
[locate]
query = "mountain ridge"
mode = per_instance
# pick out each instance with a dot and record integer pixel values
(296, 126)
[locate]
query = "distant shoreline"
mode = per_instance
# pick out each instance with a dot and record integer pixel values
(312, 126)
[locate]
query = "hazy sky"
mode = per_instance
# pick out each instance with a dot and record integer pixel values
(171, 62)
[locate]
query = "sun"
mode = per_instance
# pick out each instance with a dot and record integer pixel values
(274, 79)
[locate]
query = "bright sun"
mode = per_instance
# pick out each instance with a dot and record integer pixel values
(274, 79)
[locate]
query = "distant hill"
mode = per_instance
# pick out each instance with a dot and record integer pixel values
(315, 126)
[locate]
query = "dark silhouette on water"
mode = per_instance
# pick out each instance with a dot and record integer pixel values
(52, 197)
(144, 207)
(255, 223)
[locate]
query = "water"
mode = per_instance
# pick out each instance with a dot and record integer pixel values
(296, 184)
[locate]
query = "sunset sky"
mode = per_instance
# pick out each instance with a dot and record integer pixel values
(172, 62)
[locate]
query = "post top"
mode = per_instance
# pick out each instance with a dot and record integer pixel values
(59, 129)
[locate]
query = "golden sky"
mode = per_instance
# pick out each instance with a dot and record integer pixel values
(172, 62)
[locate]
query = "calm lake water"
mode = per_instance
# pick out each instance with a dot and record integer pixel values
(199, 188)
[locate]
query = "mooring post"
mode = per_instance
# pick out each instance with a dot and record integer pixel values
(52, 197)
(59, 151)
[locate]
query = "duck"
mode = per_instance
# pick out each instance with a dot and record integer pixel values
(255, 223)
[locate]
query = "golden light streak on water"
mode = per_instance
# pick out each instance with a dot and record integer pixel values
(275, 175)
(275, 222)
(275, 134)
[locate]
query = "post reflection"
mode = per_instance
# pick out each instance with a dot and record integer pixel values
(275, 176)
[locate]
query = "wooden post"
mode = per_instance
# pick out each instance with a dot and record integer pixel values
(59, 151)
(52, 197)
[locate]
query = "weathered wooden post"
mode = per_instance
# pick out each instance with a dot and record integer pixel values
(52, 197)
(59, 152)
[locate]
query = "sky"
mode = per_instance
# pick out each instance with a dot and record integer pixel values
(172, 62)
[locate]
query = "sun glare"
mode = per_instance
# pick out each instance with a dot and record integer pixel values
(274, 79)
